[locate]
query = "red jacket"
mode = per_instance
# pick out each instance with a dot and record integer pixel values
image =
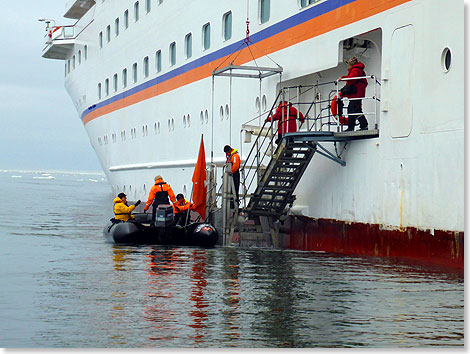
(357, 70)
(289, 124)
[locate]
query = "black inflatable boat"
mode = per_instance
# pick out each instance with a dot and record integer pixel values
(140, 231)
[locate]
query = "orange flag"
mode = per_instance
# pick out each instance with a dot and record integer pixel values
(199, 177)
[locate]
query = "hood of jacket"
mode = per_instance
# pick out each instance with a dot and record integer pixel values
(358, 65)
(117, 200)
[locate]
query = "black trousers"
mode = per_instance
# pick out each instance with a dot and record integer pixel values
(355, 107)
(180, 218)
(236, 182)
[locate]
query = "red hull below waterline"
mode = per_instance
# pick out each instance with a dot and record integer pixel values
(436, 248)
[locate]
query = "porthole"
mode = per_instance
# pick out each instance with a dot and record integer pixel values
(188, 120)
(264, 103)
(158, 127)
(206, 116)
(221, 112)
(227, 111)
(201, 117)
(184, 121)
(169, 124)
(155, 128)
(446, 59)
(172, 123)
(257, 105)
(184, 189)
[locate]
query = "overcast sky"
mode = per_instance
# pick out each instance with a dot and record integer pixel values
(40, 128)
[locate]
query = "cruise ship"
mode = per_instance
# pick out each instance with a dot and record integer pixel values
(150, 77)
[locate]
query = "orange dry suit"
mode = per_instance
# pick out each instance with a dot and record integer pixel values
(122, 211)
(182, 207)
(159, 194)
(234, 158)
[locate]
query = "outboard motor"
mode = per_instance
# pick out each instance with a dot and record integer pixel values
(164, 215)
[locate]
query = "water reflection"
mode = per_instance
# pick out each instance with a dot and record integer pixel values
(198, 312)
(227, 297)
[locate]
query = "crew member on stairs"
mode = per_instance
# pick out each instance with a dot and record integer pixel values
(159, 194)
(234, 159)
(286, 115)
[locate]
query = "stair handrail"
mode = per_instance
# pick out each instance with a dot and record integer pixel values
(259, 147)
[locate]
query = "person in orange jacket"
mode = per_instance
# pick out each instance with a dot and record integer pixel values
(286, 115)
(122, 211)
(160, 193)
(234, 159)
(181, 208)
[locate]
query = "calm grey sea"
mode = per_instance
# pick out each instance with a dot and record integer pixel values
(63, 286)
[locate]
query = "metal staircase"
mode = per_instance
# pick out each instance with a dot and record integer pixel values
(276, 187)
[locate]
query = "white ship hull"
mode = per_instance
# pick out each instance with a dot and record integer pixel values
(412, 175)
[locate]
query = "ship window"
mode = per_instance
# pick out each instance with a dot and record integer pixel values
(206, 36)
(158, 61)
(146, 66)
(264, 103)
(227, 112)
(106, 87)
(172, 123)
(264, 10)
(169, 125)
(115, 82)
(148, 5)
(227, 27)
(108, 33)
(99, 141)
(65, 69)
(73, 62)
(201, 117)
(134, 73)
(257, 105)
(79, 57)
(173, 53)
(136, 11)
(188, 45)
(188, 120)
(99, 91)
(446, 59)
(68, 66)
(184, 121)
(116, 27)
(305, 3)
(126, 19)
(206, 116)
(100, 40)
(221, 112)
(124, 78)
(85, 52)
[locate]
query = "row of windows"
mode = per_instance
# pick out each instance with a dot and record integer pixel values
(71, 63)
(148, 8)
(188, 44)
(204, 119)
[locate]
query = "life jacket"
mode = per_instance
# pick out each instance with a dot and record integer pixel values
(234, 159)
(179, 208)
(161, 193)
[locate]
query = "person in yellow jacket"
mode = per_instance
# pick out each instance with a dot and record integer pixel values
(121, 210)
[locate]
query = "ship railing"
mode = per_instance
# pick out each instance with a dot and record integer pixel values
(60, 33)
(317, 117)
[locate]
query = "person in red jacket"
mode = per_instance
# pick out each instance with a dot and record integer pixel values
(159, 194)
(286, 115)
(355, 88)
(234, 159)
